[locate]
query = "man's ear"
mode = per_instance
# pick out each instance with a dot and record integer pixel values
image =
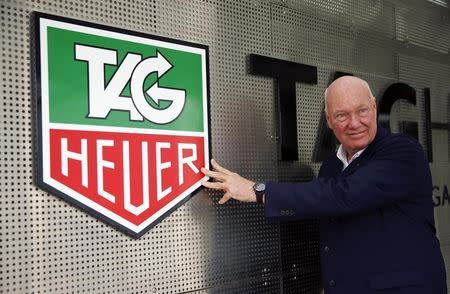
(327, 117)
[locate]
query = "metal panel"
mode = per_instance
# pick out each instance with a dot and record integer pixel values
(430, 28)
(328, 34)
(48, 246)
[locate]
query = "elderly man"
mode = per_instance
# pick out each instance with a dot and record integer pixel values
(373, 199)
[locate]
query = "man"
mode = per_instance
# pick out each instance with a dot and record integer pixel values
(373, 198)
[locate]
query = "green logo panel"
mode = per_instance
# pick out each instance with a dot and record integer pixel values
(69, 82)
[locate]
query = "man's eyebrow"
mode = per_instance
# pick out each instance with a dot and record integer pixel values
(339, 111)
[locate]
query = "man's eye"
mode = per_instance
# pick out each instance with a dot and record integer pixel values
(364, 111)
(341, 116)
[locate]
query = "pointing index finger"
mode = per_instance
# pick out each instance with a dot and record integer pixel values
(219, 168)
(215, 175)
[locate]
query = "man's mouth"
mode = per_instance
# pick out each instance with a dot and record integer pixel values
(356, 134)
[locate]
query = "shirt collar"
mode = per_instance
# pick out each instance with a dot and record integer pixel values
(342, 155)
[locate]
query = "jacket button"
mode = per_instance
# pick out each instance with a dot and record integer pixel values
(332, 283)
(326, 248)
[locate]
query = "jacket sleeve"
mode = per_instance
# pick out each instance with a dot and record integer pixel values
(397, 171)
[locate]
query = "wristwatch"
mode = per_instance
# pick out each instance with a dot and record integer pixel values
(260, 189)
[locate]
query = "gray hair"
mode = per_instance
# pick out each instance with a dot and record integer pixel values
(365, 84)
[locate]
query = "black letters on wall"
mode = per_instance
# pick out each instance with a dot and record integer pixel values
(399, 91)
(287, 74)
(393, 93)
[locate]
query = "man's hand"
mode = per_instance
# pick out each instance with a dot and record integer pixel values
(234, 185)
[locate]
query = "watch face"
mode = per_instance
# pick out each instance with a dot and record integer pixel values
(260, 187)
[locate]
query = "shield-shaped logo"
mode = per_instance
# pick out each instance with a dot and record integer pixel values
(122, 120)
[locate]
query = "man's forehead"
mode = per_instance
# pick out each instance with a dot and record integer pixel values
(348, 105)
(348, 102)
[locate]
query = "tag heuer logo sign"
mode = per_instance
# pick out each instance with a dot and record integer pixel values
(122, 119)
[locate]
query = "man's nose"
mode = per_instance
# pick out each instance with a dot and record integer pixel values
(355, 121)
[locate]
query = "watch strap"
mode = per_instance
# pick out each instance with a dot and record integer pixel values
(259, 197)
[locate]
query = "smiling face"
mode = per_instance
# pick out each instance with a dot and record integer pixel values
(351, 113)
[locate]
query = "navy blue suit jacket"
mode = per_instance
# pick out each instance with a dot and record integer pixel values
(376, 219)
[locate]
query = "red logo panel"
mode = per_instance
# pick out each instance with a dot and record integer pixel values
(96, 164)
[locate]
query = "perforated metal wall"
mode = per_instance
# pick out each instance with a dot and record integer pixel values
(48, 246)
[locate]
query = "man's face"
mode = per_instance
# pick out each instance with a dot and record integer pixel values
(351, 115)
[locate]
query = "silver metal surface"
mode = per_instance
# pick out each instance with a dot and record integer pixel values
(48, 246)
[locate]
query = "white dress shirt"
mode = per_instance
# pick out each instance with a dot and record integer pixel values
(342, 155)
